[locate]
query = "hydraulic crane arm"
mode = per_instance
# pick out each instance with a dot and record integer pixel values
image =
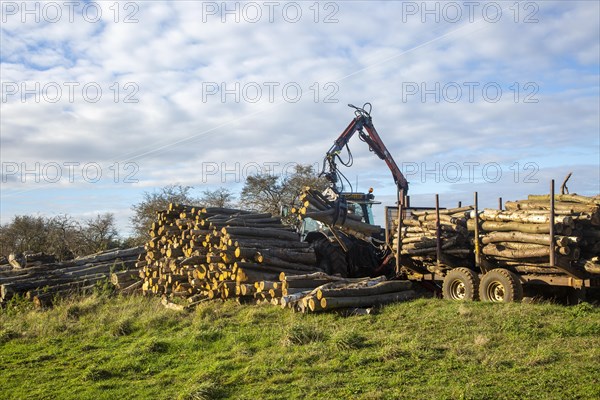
(361, 123)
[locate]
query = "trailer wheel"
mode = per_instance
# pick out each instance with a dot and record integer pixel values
(500, 286)
(460, 284)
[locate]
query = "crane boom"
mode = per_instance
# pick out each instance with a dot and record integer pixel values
(361, 123)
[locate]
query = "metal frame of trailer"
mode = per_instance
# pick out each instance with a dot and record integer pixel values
(569, 278)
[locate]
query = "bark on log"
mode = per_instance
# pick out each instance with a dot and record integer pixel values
(522, 217)
(304, 258)
(265, 244)
(566, 198)
(380, 288)
(271, 268)
(523, 237)
(310, 276)
(493, 250)
(306, 283)
(545, 205)
(290, 291)
(265, 258)
(433, 250)
(262, 233)
(328, 303)
(124, 278)
(74, 285)
(108, 255)
(446, 211)
(252, 275)
(509, 226)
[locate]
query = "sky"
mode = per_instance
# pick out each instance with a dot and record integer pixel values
(104, 101)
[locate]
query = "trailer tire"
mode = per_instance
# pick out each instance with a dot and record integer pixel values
(330, 257)
(500, 286)
(460, 284)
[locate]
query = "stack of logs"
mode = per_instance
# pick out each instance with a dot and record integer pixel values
(419, 234)
(41, 279)
(206, 253)
(27, 260)
(319, 291)
(315, 205)
(518, 238)
(220, 253)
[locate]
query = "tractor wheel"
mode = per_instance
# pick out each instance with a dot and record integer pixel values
(500, 286)
(461, 284)
(330, 257)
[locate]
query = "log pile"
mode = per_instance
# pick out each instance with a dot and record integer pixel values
(262, 292)
(209, 253)
(518, 238)
(29, 260)
(315, 205)
(204, 253)
(42, 281)
(319, 291)
(419, 234)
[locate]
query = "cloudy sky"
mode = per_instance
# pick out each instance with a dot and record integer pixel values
(102, 101)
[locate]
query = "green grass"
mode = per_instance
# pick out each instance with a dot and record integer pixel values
(106, 348)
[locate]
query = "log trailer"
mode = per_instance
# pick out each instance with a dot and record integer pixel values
(478, 278)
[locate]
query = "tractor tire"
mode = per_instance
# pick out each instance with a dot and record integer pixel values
(500, 286)
(330, 257)
(461, 284)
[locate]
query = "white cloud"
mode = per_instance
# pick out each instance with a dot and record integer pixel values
(372, 53)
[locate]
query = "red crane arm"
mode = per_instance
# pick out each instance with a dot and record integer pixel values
(364, 121)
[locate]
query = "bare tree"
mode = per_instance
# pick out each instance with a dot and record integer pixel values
(263, 193)
(221, 197)
(24, 233)
(61, 235)
(145, 211)
(99, 233)
(269, 193)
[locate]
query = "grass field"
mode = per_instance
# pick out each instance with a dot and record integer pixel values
(123, 348)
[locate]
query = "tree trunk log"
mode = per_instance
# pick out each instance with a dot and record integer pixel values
(494, 250)
(522, 237)
(545, 205)
(262, 233)
(490, 226)
(380, 288)
(265, 244)
(328, 303)
(522, 217)
(575, 198)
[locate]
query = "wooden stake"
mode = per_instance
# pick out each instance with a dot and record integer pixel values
(477, 246)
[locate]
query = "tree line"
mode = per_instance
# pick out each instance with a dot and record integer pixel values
(67, 237)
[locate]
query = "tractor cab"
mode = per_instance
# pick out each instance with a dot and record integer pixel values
(360, 204)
